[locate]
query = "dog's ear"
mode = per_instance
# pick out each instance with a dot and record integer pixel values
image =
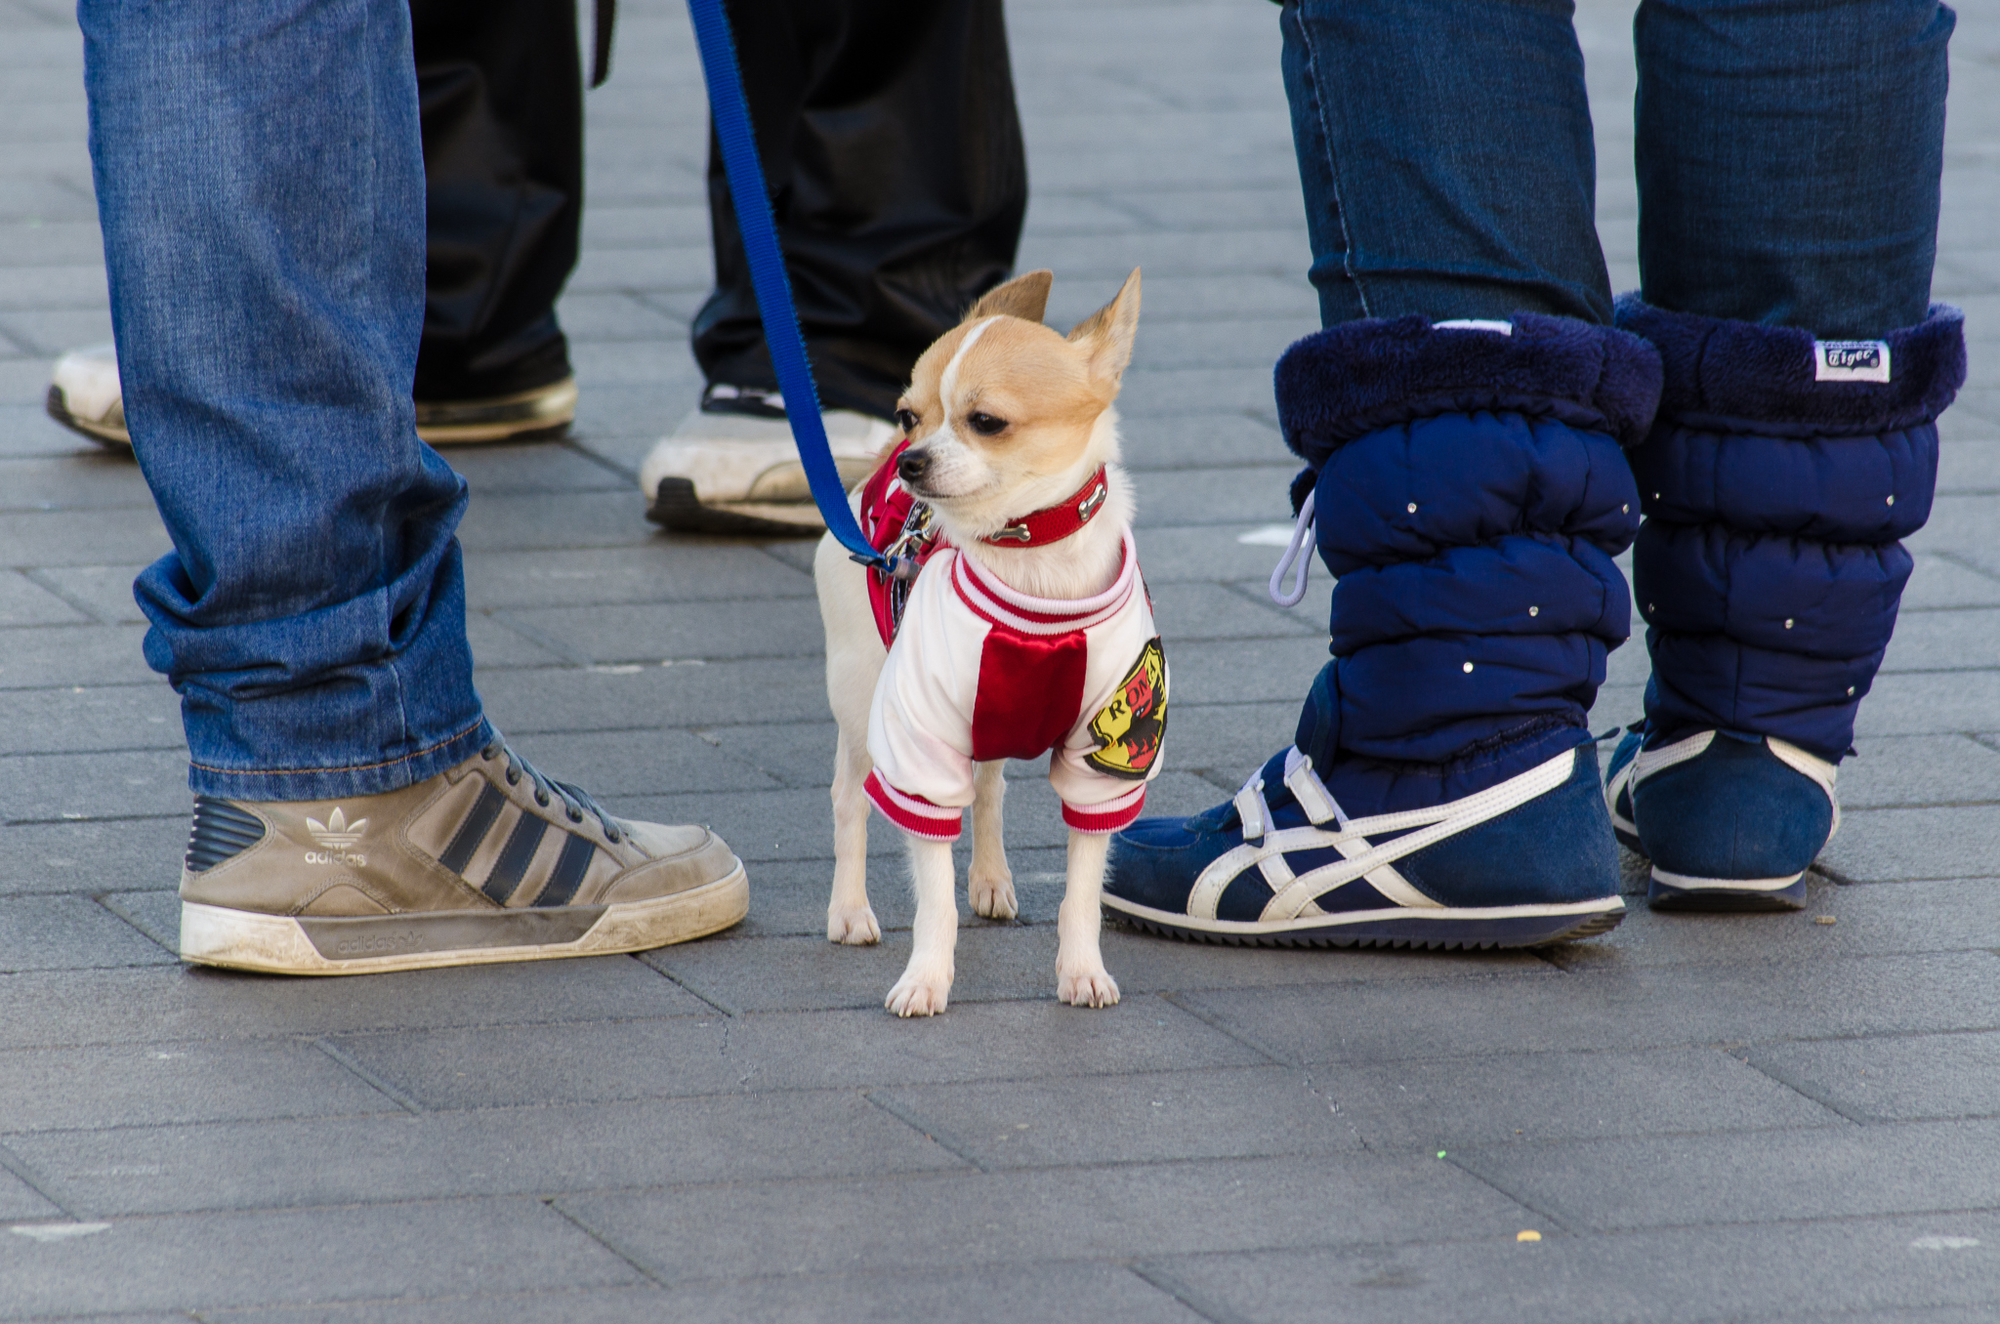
(1025, 297)
(1106, 335)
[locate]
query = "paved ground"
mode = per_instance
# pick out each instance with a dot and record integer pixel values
(1746, 1119)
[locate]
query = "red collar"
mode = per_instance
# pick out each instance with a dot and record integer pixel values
(1052, 524)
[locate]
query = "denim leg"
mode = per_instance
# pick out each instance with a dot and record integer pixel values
(260, 186)
(1446, 156)
(1789, 153)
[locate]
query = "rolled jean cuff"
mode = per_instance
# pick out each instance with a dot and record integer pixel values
(332, 783)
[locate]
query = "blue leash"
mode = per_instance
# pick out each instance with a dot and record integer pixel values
(782, 334)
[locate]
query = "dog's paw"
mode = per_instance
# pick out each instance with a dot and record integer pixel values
(857, 928)
(992, 897)
(1088, 988)
(918, 995)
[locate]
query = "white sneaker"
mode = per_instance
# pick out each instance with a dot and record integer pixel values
(84, 395)
(740, 472)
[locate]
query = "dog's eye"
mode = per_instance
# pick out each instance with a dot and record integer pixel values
(986, 425)
(907, 420)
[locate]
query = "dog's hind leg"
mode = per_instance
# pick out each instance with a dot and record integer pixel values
(1081, 979)
(989, 883)
(926, 981)
(849, 918)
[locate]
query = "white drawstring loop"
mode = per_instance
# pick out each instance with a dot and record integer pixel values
(1297, 558)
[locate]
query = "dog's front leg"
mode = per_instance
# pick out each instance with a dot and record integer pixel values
(1081, 979)
(848, 916)
(926, 981)
(989, 883)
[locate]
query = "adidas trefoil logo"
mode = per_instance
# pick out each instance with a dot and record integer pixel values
(339, 838)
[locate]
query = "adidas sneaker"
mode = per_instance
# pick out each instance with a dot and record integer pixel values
(487, 861)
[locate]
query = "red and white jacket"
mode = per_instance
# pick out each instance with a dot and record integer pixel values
(979, 671)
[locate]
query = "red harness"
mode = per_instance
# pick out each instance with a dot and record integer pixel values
(898, 525)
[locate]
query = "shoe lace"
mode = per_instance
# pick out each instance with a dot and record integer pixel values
(576, 801)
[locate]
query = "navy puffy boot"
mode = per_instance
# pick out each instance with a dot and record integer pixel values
(1777, 483)
(1441, 791)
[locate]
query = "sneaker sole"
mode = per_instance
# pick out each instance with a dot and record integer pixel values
(675, 506)
(115, 438)
(1672, 891)
(288, 945)
(1439, 930)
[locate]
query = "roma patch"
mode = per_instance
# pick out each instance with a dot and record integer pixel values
(1129, 728)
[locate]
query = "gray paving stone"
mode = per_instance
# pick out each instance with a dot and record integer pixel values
(1919, 703)
(68, 933)
(1888, 845)
(1239, 671)
(25, 602)
(528, 468)
(78, 718)
(1919, 770)
(72, 538)
(539, 1150)
(683, 570)
(306, 1256)
(1944, 581)
(1534, 1098)
(508, 521)
(154, 1084)
(1819, 1270)
(104, 592)
(1924, 1167)
(52, 787)
(715, 1055)
(643, 762)
(105, 481)
(18, 1200)
(1945, 641)
(1199, 440)
(1893, 918)
(1100, 1292)
(91, 856)
(686, 693)
(68, 655)
(1146, 1118)
(1612, 1009)
(1121, 1210)
(1190, 611)
(654, 632)
(1893, 1078)
(74, 1008)
(1240, 494)
(494, 645)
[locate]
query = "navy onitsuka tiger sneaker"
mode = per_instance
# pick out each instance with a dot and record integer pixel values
(1729, 821)
(1524, 863)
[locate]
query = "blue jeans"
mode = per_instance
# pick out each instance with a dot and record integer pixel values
(260, 185)
(1788, 157)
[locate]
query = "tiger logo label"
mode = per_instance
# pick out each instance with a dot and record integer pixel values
(1128, 729)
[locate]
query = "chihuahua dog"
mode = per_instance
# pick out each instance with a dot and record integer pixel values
(1026, 631)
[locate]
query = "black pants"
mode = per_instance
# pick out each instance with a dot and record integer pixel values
(890, 144)
(501, 92)
(892, 150)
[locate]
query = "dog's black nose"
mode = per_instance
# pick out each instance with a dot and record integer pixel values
(912, 465)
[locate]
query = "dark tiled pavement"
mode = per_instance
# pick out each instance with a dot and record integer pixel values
(1742, 1119)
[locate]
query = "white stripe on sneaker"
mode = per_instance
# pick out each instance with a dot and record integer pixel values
(1420, 828)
